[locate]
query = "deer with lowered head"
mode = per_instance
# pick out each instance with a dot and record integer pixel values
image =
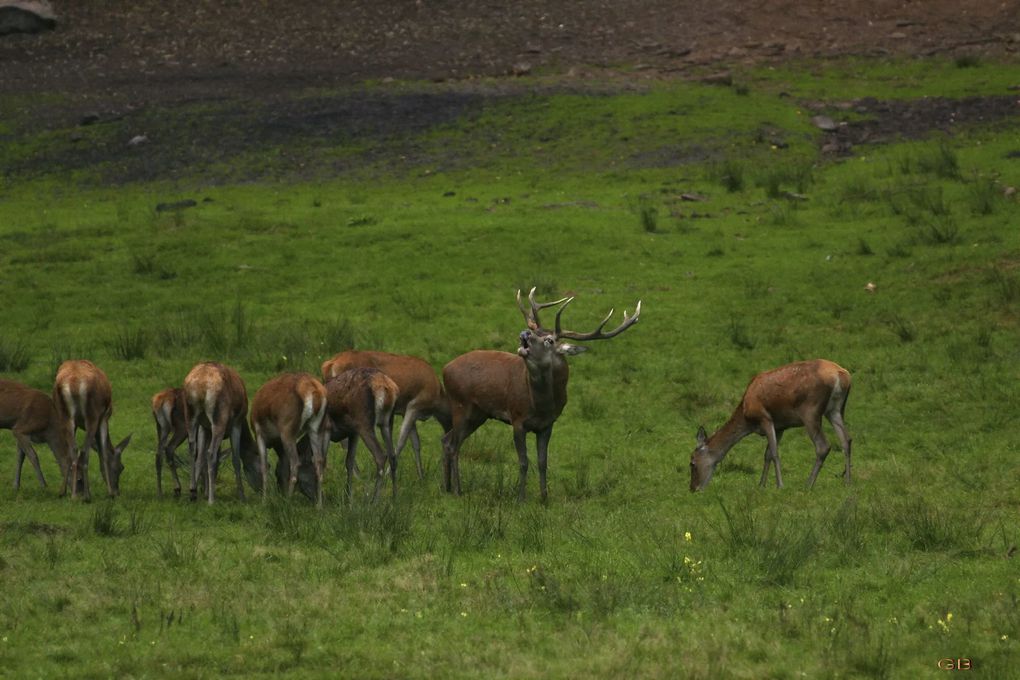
(358, 401)
(285, 409)
(217, 406)
(83, 398)
(171, 431)
(420, 395)
(32, 418)
(527, 390)
(795, 395)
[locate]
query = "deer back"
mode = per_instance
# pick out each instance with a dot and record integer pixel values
(286, 403)
(495, 383)
(82, 393)
(216, 392)
(357, 398)
(789, 394)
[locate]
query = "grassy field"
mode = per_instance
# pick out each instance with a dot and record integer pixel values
(418, 245)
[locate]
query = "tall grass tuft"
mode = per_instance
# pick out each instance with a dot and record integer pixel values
(778, 546)
(739, 336)
(984, 196)
(15, 355)
(730, 174)
(940, 161)
(104, 520)
(129, 344)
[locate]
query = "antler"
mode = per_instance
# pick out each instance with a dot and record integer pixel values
(597, 334)
(532, 317)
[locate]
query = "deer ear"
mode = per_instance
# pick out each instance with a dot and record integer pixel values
(564, 348)
(702, 435)
(123, 445)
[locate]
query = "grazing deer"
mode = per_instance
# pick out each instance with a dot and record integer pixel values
(789, 396)
(31, 417)
(168, 409)
(358, 401)
(285, 409)
(83, 398)
(527, 390)
(217, 404)
(420, 395)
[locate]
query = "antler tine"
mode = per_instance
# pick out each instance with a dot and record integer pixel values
(532, 317)
(597, 334)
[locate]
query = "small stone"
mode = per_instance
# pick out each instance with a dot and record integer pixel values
(521, 68)
(721, 78)
(824, 123)
(138, 140)
(870, 287)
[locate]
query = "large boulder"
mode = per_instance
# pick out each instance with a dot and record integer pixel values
(26, 16)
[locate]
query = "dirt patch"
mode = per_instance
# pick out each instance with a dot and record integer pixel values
(890, 121)
(148, 50)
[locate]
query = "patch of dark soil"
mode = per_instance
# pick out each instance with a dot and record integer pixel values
(890, 121)
(148, 51)
(173, 142)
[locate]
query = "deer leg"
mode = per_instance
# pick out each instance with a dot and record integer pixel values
(349, 462)
(161, 445)
(521, 444)
(235, 457)
(293, 462)
(260, 442)
(542, 438)
(212, 462)
(171, 459)
(408, 429)
(320, 443)
(462, 428)
(380, 459)
(195, 453)
(844, 440)
(773, 451)
(386, 429)
(822, 448)
(768, 459)
(90, 441)
(416, 446)
(25, 448)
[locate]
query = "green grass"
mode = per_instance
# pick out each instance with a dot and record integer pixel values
(624, 573)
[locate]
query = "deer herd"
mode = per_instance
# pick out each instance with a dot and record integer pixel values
(298, 416)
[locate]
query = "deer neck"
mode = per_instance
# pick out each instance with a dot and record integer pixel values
(548, 386)
(726, 437)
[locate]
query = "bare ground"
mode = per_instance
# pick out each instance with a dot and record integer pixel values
(121, 60)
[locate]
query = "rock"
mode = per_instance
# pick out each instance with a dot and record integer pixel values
(26, 16)
(721, 78)
(870, 287)
(692, 197)
(824, 123)
(176, 205)
(1009, 192)
(521, 68)
(138, 140)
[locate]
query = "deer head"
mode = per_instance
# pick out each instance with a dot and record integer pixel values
(542, 347)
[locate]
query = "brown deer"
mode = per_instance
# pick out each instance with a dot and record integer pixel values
(358, 401)
(286, 408)
(168, 410)
(31, 417)
(789, 396)
(83, 397)
(420, 395)
(527, 390)
(216, 405)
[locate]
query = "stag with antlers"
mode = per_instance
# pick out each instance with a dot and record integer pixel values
(527, 390)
